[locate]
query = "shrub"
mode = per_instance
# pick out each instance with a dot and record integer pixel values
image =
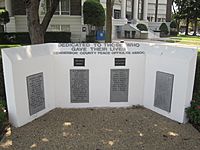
(193, 112)
(173, 25)
(142, 27)
(57, 37)
(90, 38)
(196, 91)
(173, 33)
(173, 30)
(3, 115)
(4, 17)
(2, 88)
(164, 29)
(23, 37)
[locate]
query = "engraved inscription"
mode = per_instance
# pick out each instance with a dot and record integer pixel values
(79, 85)
(163, 90)
(119, 83)
(35, 86)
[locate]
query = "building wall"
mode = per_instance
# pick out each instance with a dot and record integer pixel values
(18, 7)
(162, 4)
(75, 7)
(19, 24)
(69, 23)
(74, 21)
(2, 4)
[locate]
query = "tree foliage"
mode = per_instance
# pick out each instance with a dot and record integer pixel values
(188, 10)
(4, 17)
(93, 13)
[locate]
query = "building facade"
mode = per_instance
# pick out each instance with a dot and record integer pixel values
(69, 17)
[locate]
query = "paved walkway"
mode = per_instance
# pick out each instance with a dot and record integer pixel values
(160, 41)
(103, 129)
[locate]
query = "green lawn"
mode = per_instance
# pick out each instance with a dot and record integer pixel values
(8, 46)
(2, 10)
(188, 40)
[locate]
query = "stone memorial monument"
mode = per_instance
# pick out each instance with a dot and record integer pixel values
(40, 78)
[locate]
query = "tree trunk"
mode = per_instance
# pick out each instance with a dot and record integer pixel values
(195, 27)
(187, 25)
(178, 25)
(109, 21)
(5, 28)
(37, 30)
(142, 9)
(33, 21)
(156, 11)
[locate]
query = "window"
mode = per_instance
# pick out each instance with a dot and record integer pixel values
(54, 27)
(62, 9)
(117, 14)
(57, 28)
(129, 15)
(65, 28)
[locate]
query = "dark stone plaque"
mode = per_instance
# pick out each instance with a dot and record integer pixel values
(119, 83)
(120, 61)
(79, 85)
(35, 86)
(79, 62)
(163, 90)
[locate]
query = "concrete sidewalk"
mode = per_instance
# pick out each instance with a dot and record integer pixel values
(160, 41)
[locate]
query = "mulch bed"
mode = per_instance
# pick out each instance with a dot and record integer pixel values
(197, 126)
(3, 129)
(2, 132)
(102, 129)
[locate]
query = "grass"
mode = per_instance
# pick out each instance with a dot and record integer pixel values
(8, 46)
(188, 40)
(2, 10)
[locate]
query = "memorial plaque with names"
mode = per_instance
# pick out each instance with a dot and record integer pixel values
(163, 90)
(36, 98)
(120, 61)
(79, 62)
(79, 85)
(119, 85)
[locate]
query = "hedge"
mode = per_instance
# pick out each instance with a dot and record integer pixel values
(163, 29)
(196, 91)
(173, 25)
(142, 27)
(23, 37)
(2, 87)
(173, 33)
